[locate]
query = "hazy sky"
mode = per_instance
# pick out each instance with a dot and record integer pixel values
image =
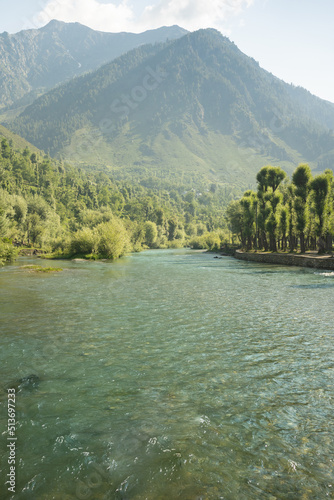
(294, 39)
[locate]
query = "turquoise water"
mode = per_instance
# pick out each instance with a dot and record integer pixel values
(169, 375)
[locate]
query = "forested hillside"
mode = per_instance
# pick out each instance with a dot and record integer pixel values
(193, 104)
(53, 206)
(35, 60)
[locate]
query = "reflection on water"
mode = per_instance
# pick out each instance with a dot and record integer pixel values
(169, 375)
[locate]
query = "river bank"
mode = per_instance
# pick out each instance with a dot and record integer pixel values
(288, 259)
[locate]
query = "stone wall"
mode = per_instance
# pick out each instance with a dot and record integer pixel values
(289, 259)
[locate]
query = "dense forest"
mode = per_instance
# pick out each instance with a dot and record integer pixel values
(286, 215)
(67, 211)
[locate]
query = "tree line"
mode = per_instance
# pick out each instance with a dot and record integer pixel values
(286, 215)
(65, 210)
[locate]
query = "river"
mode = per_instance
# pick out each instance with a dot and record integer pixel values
(168, 375)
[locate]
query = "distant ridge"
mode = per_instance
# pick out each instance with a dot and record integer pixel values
(194, 104)
(43, 58)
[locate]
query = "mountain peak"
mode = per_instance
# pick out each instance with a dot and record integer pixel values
(53, 24)
(42, 58)
(186, 95)
(172, 31)
(59, 26)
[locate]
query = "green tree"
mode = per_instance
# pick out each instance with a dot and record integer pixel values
(83, 242)
(320, 190)
(275, 175)
(20, 207)
(33, 158)
(234, 214)
(113, 239)
(5, 149)
(330, 211)
(160, 217)
(268, 180)
(262, 188)
(248, 204)
(274, 200)
(34, 227)
(301, 178)
(283, 225)
(4, 225)
(151, 233)
(172, 227)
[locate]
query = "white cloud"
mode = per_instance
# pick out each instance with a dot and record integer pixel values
(122, 16)
(193, 14)
(92, 13)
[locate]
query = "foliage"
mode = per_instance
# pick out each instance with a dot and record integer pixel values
(213, 107)
(51, 205)
(113, 240)
(83, 242)
(282, 214)
(151, 233)
(7, 252)
(211, 241)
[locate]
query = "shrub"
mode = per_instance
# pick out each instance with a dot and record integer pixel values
(212, 241)
(161, 242)
(175, 244)
(8, 253)
(197, 243)
(83, 242)
(179, 234)
(113, 240)
(61, 245)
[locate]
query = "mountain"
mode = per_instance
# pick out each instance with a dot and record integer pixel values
(17, 141)
(314, 107)
(192, 104)
(34, 60)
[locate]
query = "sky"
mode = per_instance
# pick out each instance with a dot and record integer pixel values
(293, 39)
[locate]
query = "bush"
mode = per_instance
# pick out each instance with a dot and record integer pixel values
(8, 253)
(179, 234)
(191, 229)
(83, 242)
(210, 241)
(61, 245)
(161, 242)
(201, 229)
(113, 240)
(175, 244)
(197, 243)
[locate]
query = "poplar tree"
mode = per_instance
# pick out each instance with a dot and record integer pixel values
(301, 179)
(320, 189)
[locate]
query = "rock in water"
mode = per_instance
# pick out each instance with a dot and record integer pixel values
(29, 382)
